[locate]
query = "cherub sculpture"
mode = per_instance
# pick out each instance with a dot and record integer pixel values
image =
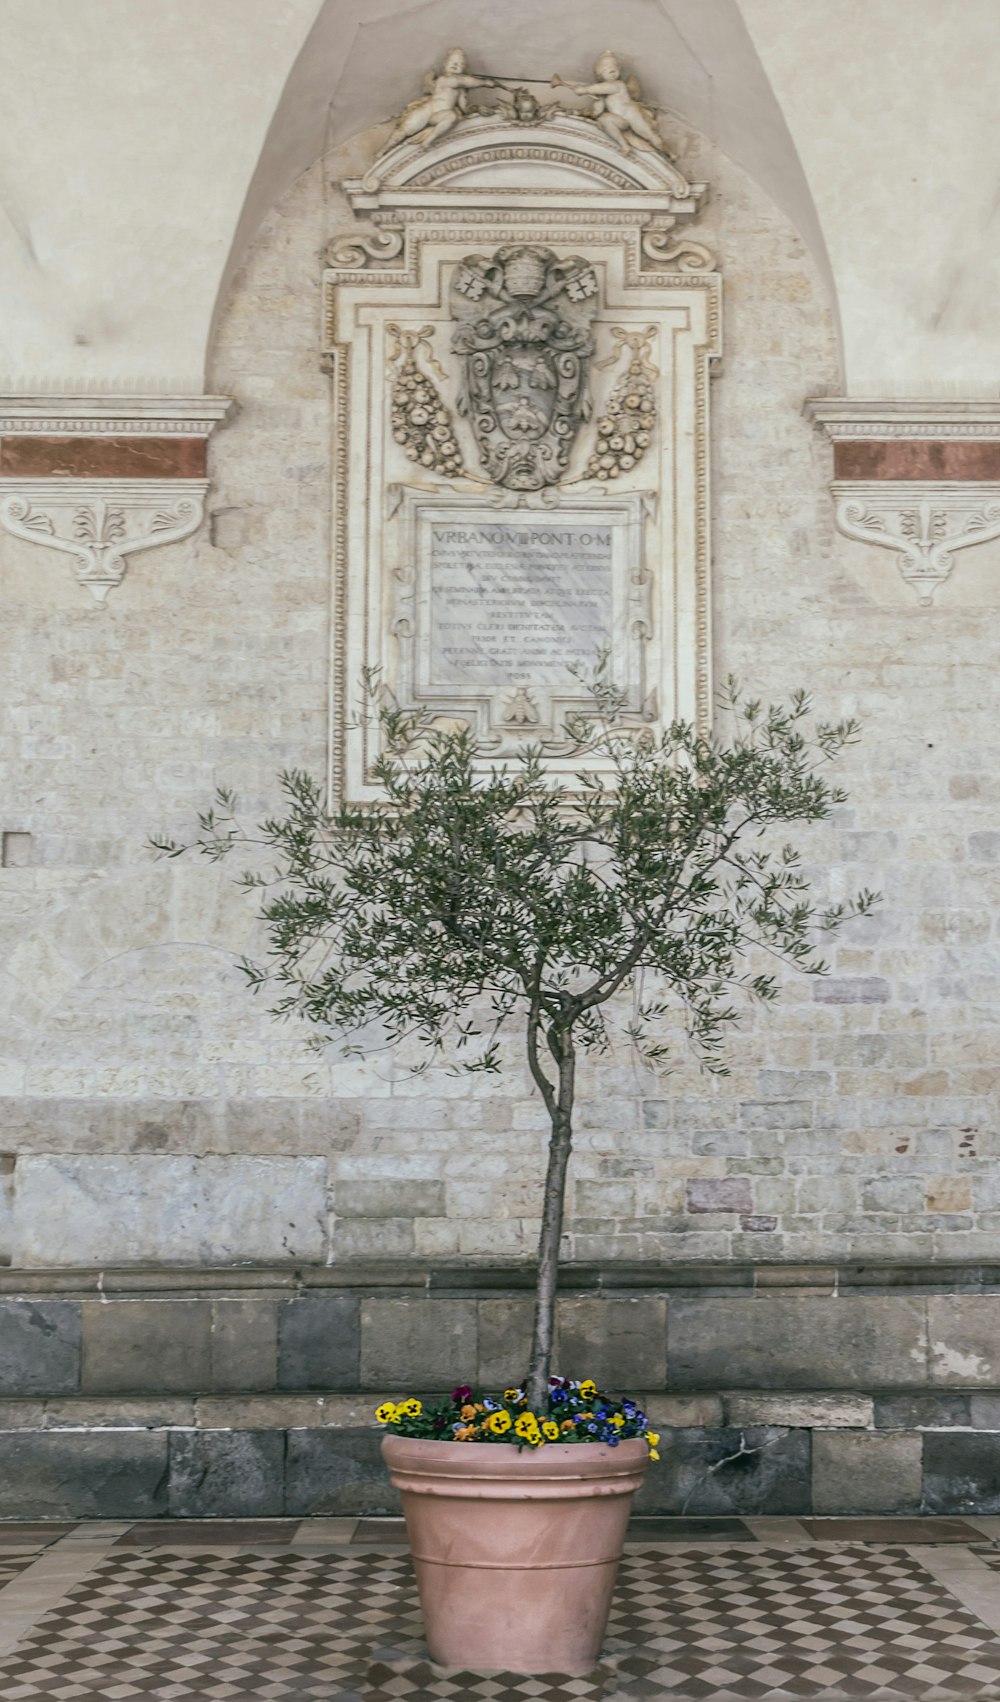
(618, 107)
(443, 103)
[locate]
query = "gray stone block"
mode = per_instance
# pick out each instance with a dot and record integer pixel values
(777, 1114)
(244, 1344)
(109, 1474)
(146, 1347)
(419, 1343)
(984, 846)
(866, 1472)
(104, 1210)
(720, 1143)
(319, 1342)
(401, 1198)
(771, 1342)
(892, 1194)
(961, 1472)
(621, 1343)
(851, 990)
(984, 1411)
(226, 1474)
(963, 1334)
(794, 1084)
(922, 1412)
(504, 1340)
(719, 1194)
(39, 1347)
(337, 1471)
(757, 1470)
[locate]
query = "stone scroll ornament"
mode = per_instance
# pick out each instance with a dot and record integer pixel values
(523, 331)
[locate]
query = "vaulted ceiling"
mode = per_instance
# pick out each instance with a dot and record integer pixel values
(143, 144)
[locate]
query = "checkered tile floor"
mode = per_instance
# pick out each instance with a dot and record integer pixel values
(696, 1625)
(805, 1623)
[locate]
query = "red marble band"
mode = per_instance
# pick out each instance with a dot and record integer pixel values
(134, 457)
(917, 458)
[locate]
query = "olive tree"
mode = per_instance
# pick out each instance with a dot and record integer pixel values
(472, 896)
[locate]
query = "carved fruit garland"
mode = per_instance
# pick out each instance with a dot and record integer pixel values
(421, 423)
(625, 429)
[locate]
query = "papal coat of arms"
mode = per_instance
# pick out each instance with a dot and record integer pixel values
(524, 322)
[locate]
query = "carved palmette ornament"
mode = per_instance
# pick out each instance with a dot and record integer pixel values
(421, 423)
(625, 428)
(523, 332)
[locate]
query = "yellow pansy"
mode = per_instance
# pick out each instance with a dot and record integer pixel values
(385, 1413)
(652, 1437)
(526, 1425)
(498, 1422)
(588, 1389)
(409, 1409)
(513, 1394)
(550, 1430)
(653, 1454)
(617, 1420)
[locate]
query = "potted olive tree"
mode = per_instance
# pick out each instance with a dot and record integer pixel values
(472, 897)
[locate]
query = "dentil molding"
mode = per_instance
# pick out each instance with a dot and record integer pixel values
(919, 477)
(100, 478)
(101, 416)
(844, 419)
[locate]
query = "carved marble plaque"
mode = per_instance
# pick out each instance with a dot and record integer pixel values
(519, 335)
(514, 601)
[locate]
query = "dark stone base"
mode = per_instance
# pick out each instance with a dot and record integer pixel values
(226, 1393)
(132, 1473)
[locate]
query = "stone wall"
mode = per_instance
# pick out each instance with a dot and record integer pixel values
(776, 1389)
(152, 1114)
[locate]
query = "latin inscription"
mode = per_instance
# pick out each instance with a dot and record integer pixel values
(518, 602)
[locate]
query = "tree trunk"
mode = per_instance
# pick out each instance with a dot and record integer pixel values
(560, 1147)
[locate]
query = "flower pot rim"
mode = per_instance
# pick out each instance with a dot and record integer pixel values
(423, 1456)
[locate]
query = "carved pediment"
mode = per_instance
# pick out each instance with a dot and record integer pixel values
(490, 158)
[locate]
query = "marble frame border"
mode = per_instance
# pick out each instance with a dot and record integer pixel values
(401, 276)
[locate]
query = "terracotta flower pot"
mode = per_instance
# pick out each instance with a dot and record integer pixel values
(516, 1551)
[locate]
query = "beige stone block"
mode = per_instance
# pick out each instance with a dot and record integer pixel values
(948, 1194)
(807, 1412)
(928, 1082)
(435, 1237)
(264, 1412)
(681, 1412)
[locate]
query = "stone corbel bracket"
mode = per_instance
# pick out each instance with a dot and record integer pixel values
(919, 478)
(102, 478)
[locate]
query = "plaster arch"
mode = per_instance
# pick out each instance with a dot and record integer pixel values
(362, 61)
